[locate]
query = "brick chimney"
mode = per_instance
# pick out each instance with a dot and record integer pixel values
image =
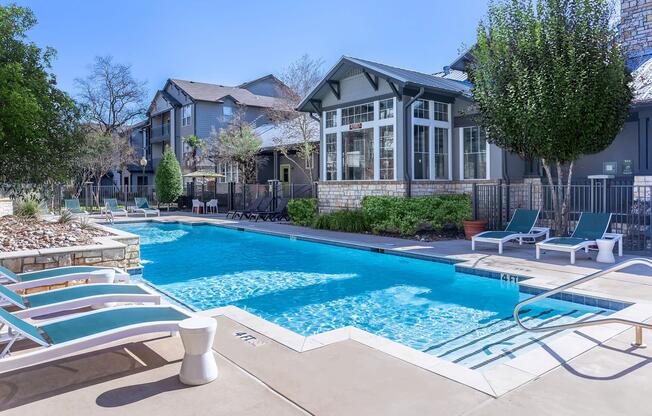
(636, 29)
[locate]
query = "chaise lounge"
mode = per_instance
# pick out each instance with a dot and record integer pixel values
(112, 209)
(27, 280)
(72, 206)
(76, 297)
(74, 333)
(142, 207)
(590, 227)
(521, 227)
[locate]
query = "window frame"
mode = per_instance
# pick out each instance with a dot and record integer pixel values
(433, 124)
(462, 153)
(186, 119)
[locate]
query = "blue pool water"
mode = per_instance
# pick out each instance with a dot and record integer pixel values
(311, 288)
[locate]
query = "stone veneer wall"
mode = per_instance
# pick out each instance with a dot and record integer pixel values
(6, 207)
(120, 250)
(636, 26)
(338, 195)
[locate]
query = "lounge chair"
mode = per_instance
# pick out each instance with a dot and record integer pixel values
(198, 206)
(75, 297)
(74, 333)
(72, 205)
(590, 227)
(262, 206)
(521, 227)
(142, 206)
(278, 213)
(27, 280)
(112, 210)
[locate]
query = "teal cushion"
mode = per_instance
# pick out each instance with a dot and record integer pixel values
(21, 326)
(592, 226)
(108, 319)
(495, 234)
(12, 296)
(523, 220)
(567, 241)
(42, 274)
(81, 291)
(9, 274)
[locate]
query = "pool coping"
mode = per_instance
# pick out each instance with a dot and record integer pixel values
(494, 381)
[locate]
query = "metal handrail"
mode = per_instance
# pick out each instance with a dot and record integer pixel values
(638, 325)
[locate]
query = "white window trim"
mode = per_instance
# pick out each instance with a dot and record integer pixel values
(183, 118)
(487, 165)
(431, 123)
(375, 125)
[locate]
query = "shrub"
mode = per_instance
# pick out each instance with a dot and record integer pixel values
(28, 206)
(348, 221)
(303, 211)
(406, 216)
(168, 180)
(65, 217)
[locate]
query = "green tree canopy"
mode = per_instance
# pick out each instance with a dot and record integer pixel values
(551, 83)
(240, 144)
(39, 129)
(168, 180)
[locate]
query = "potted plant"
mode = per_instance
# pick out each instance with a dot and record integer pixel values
(473, 227)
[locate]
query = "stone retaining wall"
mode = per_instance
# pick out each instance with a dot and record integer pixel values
(119, 250)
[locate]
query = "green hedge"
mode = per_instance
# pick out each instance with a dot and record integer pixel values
(302, 211)
(408, 215)
(348, 221)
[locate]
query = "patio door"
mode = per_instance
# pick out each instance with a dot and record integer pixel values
(285, 179)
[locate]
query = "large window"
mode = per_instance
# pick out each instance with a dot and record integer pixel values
(386, 108)
(358, 114)
(387, 152)
(331, 119)
(441, 111)
(441, 153)
(331, 156)
(474, 143)
(227, 112)
(186, 115)
(421, 109)
(421, 152)
(358, 155)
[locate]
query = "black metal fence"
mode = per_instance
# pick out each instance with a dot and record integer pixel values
(629, 204)
(229, 195)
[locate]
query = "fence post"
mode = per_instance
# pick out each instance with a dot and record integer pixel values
(508, 201)
(229, 196)
(530, 196)
(273, 188)
(500, 203)
(474, 202)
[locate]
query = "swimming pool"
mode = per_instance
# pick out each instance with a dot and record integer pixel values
(310, 288)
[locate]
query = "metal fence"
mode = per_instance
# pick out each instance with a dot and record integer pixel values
(629, 204)
(229, 195)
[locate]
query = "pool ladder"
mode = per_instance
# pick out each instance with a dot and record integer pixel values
(638, 342)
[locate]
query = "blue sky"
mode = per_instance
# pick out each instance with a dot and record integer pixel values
(229, 42)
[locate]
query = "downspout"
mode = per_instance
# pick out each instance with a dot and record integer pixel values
(406, 135)
(318, 169)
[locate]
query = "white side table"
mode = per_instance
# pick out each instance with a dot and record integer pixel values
(198, 366)
(605, 251)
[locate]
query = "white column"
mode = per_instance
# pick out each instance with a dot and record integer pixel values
(431, 140)
(376, 142)
(173, 144)
(338, 116)
(450, 141)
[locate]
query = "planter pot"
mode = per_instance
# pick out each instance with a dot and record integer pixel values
(473, 227)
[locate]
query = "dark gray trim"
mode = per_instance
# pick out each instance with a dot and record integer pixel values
(372, 81)
(335, 88)
(394, 88)
(316, 104)
(429, 94)
(465, 121)
(356, 102)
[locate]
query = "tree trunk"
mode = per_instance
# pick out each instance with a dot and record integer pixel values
(560, 193)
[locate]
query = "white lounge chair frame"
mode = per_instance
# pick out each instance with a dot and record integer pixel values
(586, 245)
(26, 312)
(145, 211)
(535, 232)
(52, 352)
(120, 276)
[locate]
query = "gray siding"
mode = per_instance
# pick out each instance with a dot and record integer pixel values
(267, 87)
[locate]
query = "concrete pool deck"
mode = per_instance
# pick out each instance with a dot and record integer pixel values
(594, 371)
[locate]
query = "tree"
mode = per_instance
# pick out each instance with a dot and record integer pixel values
(110, 96)
(551, 84)
(298, 131)
(168, 179)
(101, 155)
(240, 144)
(197, 147)
(39, 129)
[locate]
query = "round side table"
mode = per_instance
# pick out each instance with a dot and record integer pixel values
(198, 366)
(605, 251)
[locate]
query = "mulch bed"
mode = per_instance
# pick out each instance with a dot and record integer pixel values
(30, 234)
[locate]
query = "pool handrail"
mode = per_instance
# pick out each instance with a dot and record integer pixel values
(638, 342)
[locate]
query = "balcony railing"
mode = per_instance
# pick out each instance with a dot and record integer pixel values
(160, 132)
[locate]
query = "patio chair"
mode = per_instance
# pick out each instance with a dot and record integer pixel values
(72, 205)
(112, 210)
(262, 206)
(48, 277)
(197, 205)
(211, 206)
(72, 334)
(278, 213)
(142, 206)
(590, 227)
(521, 227)
(76, 297)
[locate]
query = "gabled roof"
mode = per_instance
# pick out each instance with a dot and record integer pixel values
(201, 91)
(453, 74)
(401, 77)
(167, 97)
(263, 78)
